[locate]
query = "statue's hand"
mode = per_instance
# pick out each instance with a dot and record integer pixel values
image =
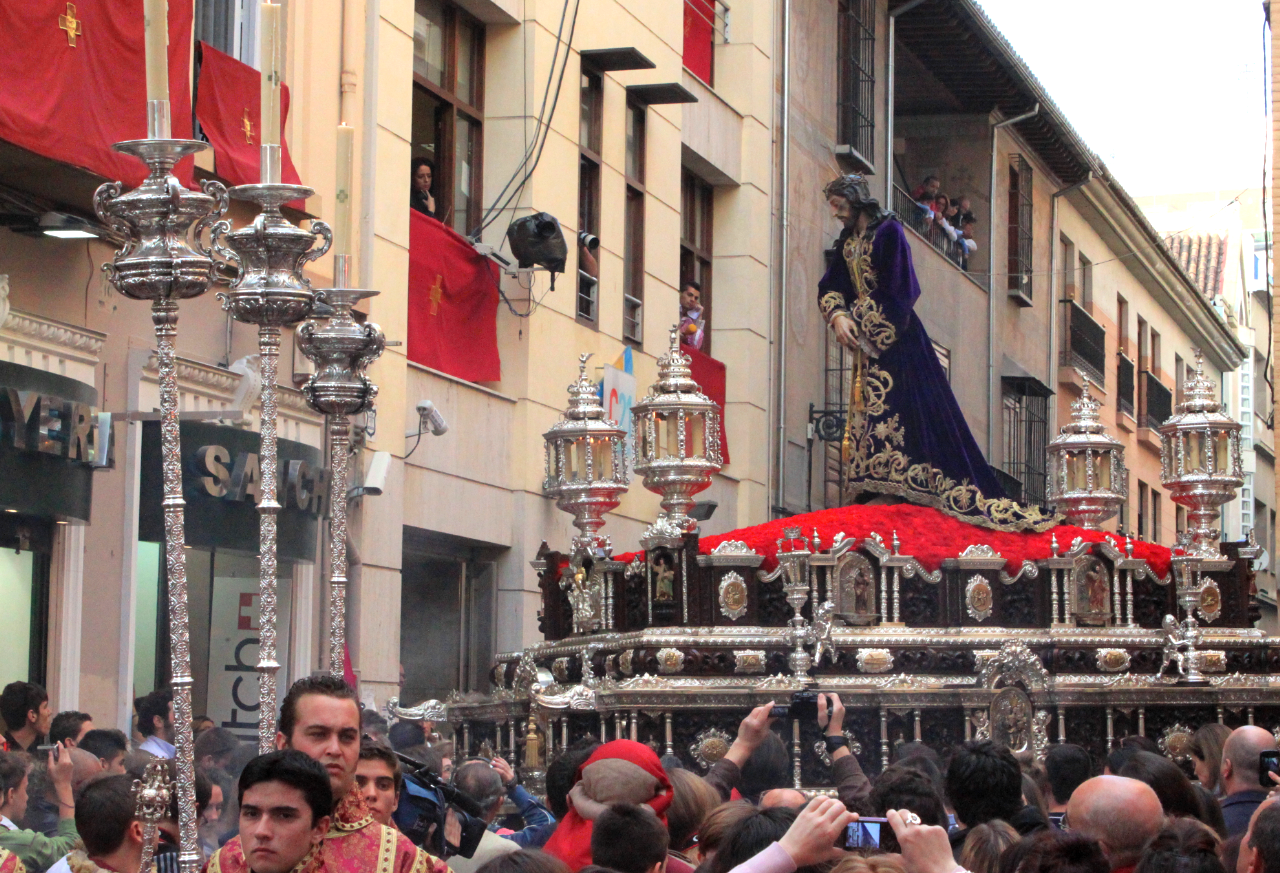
(844, 330)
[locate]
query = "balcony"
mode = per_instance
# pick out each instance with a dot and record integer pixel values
(914, 216)
(1159, 405)
(1086, 348)
(1125, 385)
(706, 25)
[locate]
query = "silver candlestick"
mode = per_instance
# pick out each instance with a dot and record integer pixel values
(341, 349)
(164, 261)
(151, 805)
(270, 291)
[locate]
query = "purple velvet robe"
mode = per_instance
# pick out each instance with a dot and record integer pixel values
(910, 439)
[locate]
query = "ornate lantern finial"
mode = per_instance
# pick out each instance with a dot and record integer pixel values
(1200, 460)
(586, 461)
(1087, 477)
(677, 436)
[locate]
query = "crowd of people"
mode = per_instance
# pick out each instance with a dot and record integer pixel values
(945, 221)
(330, 799)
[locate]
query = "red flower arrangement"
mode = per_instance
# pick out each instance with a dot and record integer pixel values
(924, 533)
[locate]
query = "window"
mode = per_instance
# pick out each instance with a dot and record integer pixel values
(855, 90)
(589, 122)
(695, 244)
(1020, 267)
(1178, 378)
(1154, 364)
(1143, 526)
(230, 26)
(1086, 283)
(633, 245)
(1122, 322)
(706, 24)
(448, 97)
(25, 546)
(1069, 290)
(944, 358)
(1156, 533)
(1026, 435)
(1180, 519)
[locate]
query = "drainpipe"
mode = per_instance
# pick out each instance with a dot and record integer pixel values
(1052, 345)
(888, 126)
(783, 249)
(991, 287)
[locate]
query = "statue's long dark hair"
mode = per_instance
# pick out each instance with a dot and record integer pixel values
(853, 188)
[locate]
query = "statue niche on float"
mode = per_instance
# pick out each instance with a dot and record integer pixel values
(905, 435)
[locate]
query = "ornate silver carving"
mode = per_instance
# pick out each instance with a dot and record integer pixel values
(1210, 607)
(780, 682)
(1113, 660)
(670, 661)
(710, 746)
(586, 591)
(978, 597)
(733, 595)
(748, 661)
(981, 725)
(427, 710)
(874, 660)
(1212, 660)
(1013, 663)
(579, 698)
(152, 791)
(820, 748)
(1040, 734)
(560, 670)
(645, 682)
(1011, 718)
(733, 547)
(1175, 741)
(624, 662)
(163, 261)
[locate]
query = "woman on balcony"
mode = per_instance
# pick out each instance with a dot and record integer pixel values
(905, 435)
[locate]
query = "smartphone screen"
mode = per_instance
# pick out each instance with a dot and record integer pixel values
(1268, 763)
(862, 834)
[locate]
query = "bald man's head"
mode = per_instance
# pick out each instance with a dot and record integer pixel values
(1121, 814)
(85, 766)
(787, 797)
(1240, 758)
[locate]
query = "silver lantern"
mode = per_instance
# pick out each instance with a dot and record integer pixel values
(1200, 462)
(677, 436)
(1087, 478)
(586, 470)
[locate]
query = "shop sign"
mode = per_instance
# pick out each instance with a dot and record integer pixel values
(222, 484)
(232, 690)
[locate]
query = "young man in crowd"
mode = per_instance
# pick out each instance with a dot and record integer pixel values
(155, 723)
(285, 803)
(1068, 767)
(321, 718)
(1260, 846)
(1120, 814)
(629, 839)
(380, 780)
(1242, 792)
(110, 747)
(70, 727)
(106, 818)
(36, 851)
(984, 782)
(24, 706)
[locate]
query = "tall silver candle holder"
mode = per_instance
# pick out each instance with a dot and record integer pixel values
(270, 291)
(164, 261)
(341, 349)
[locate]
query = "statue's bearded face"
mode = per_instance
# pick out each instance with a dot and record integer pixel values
(842, 210)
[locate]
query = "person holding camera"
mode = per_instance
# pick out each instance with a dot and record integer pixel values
(35, 850)
(758, 761)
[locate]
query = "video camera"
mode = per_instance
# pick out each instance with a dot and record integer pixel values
(426, 801)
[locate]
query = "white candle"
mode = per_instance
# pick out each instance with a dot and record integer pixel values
(156, 44)
(269, 30)
(343, 193)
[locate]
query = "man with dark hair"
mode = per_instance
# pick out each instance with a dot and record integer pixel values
(404, 734)
(106, 818)
(380, 780)
(35, 850)
(24, 706)
(320, 716)
(1067, 766)
(69, 727)
(1242, 792)
(285, 805)
(109, 745)
(1260, 846)
(214, 749)
(629, 839)
(983, 783)
(155, 723)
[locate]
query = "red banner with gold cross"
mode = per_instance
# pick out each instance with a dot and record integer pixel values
(453, 303)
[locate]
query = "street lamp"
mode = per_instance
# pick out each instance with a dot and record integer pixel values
(677, 436)
(1087, 477)
(586, 462)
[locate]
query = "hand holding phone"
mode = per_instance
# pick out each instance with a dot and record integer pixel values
(1268, 763)
(862, 834)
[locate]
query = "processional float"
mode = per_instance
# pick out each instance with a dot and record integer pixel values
(165, 260)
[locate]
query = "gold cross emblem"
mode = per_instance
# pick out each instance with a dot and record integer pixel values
(437, 291)
(70, 24)
(247, 127)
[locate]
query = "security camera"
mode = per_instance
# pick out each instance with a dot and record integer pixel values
(589, 241)
(430, 417)
(375, 478)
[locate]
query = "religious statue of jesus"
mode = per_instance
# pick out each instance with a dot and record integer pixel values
(905, 435)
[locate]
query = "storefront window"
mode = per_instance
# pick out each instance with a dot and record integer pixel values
(25, 544)
(15, 618)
